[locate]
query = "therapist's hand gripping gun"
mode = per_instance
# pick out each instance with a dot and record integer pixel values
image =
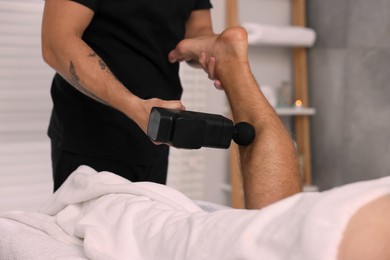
(193, 130)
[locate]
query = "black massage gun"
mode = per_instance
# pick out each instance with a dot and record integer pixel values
(193, 130)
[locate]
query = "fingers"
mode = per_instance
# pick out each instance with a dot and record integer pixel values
(148, 104)
(175, 104)
(156, 102)
(169, 104)
(207, 63)
(182, 52)
(175, 56)
(202, 60)
(218, 85)
(211, 68)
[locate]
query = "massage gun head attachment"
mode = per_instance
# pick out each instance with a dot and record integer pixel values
(193, 130)
(244, 133)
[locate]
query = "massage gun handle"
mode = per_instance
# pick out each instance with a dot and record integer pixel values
(189, 129)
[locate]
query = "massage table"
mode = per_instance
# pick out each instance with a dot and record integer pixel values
(104, 216)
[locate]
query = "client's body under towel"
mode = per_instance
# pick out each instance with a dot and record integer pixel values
(112, 218)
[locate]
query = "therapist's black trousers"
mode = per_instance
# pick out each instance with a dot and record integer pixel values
(65, 162)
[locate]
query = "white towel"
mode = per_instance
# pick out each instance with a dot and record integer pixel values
(264, 34)
(21, 242)
(117, 219)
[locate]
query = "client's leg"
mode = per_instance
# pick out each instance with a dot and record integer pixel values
(269, 165)
(368, 233)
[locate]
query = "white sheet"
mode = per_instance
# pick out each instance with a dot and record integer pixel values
(21, 242)
(113, 218)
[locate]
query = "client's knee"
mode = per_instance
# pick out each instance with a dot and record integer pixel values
(367, 235)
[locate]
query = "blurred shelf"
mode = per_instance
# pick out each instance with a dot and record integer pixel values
(295, 111)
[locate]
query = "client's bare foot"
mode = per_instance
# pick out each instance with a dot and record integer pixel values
(231, 46)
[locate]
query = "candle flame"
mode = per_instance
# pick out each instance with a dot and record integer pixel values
(298, 103)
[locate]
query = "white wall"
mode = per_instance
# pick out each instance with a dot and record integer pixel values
(24, 78)
(25, 176)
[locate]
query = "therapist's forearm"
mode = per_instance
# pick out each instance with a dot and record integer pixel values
(63, 25)
(87, 72)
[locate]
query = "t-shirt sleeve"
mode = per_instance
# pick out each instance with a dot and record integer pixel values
(91, 4)
(203, 4)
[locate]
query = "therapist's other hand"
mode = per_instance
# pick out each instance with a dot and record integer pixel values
(146, 105)
(180, 54)
(214, 52)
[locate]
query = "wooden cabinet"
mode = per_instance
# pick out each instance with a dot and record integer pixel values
(300, 85)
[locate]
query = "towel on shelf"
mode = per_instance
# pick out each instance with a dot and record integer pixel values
(264, 34)
(113, 218)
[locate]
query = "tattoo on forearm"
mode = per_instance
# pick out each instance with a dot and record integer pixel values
(102, 64)
(72, 72)
(75, 80)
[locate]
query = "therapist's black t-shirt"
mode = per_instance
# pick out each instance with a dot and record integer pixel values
(133, 37)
